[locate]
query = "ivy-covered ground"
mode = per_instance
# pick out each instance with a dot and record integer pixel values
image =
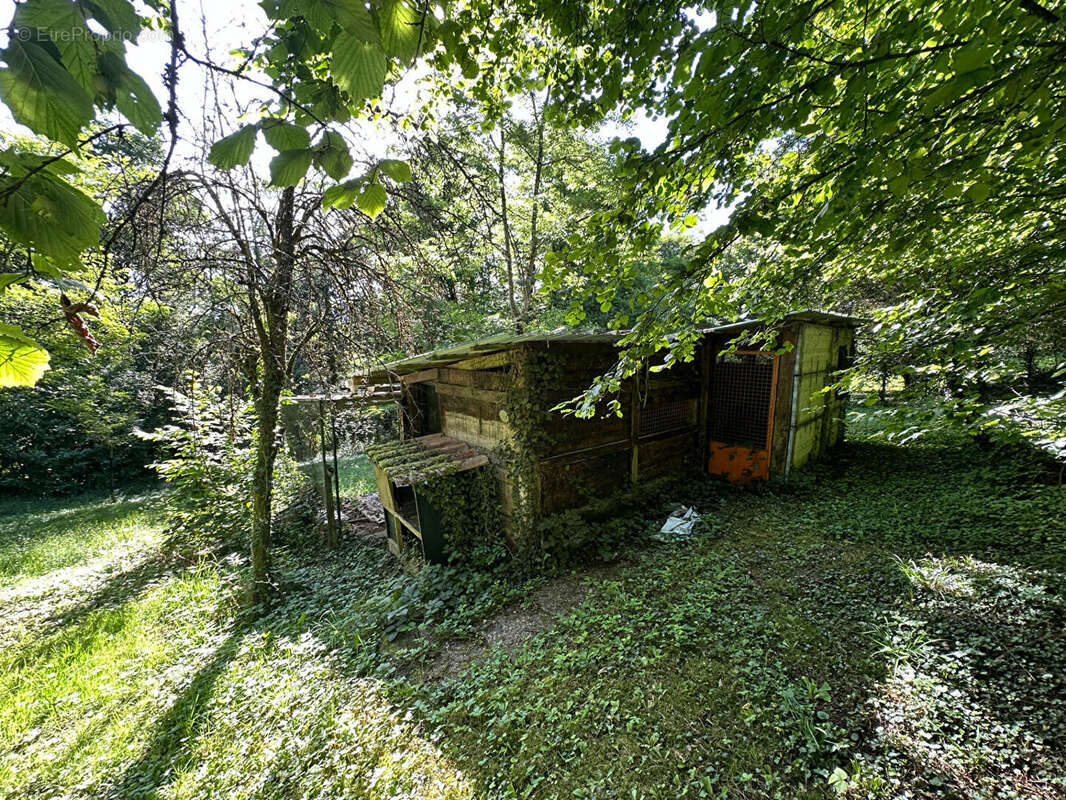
(892, 626)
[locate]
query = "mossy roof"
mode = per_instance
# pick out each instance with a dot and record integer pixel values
(444, 356)
(425, 457)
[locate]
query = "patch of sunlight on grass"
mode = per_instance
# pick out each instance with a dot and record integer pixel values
(40, 537)
(288, 722)
(973, 692)
(356, 474)
(76, 703)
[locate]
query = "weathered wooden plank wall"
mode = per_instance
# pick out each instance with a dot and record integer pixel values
(590, 459)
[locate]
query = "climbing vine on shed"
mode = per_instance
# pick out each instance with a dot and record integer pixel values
(469, 506)
(535, 376)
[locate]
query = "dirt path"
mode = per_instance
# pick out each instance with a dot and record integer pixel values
(517, 623)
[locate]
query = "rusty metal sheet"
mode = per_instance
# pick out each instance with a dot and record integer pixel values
(738, 464)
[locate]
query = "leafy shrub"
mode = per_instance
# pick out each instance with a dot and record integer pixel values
(72, 431)
(209, 472)
(469, 507)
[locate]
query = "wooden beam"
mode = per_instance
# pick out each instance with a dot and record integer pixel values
(500, 359)
(634, 429)
(703, 419)
(472, 392)
(422, 376)
(429, 438)
(473, 462)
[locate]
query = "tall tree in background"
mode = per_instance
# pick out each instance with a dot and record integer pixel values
(491, 225)
(317, 64)
(277, 276)
(914, 147)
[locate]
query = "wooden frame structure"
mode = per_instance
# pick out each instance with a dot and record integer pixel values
(328, 405)
(409, 509)
(669, 419)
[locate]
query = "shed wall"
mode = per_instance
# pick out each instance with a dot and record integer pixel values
(819, 413)
(662, 429)
(655, 434)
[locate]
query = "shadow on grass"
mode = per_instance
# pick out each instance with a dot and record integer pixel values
(735, 638)
(46, 536)
(987, 654)
(118, 589)
(178, 726)
(66, 629)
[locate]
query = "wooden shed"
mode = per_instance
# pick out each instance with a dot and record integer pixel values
(742, 413)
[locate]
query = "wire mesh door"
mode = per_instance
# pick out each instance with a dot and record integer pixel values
(741, 415)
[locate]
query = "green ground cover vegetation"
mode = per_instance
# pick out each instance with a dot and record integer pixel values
(888, 625)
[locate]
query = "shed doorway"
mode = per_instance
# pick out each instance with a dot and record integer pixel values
(741, 418)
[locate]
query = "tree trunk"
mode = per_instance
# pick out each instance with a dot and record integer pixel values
(266, 408)
(1030, 367)
(531, 269)
(507, 252)
(273, 337)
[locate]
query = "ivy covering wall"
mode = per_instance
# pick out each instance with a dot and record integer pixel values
(467, 501)
(535, 373)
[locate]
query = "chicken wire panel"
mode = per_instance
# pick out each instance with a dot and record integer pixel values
(741, 398)
(666, 416)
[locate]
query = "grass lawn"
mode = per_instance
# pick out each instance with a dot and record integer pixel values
(356, 474)
(891, 626)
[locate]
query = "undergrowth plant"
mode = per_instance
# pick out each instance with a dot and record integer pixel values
(468, 502)
(209, 472)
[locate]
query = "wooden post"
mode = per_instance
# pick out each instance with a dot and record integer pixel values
(634, 428)
(336, 484)
(702, 436)
(327, 481)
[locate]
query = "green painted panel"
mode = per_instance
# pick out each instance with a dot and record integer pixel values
(817, 411)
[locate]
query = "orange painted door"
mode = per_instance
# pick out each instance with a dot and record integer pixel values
(741, 415)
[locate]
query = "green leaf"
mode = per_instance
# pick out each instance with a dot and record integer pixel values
(973, 56)
(9, 278)
(469, 67)
(288, 167)
(43, 266)
(316, 12)
(354, 17)
(72, 39)
(399, 171)
(47, 214)
(978, 192)
(401, 29)
(898, 186)
(358, 67)
(342, 195)
(41, 94)
(118, 16)
(132, 95)
(233, 150)
(332, 156)
(372, 200)
(839, 780)
(22, 360)
(282, 135)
